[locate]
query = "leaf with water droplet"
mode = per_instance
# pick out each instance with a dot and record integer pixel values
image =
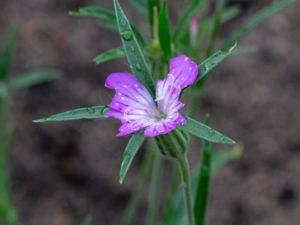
(210, 63)
(202, 131)
(94, 112)
(126, 35)
(129, 41)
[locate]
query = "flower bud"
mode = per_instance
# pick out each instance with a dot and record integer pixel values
(173, 144)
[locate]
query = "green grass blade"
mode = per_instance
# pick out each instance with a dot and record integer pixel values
(140, 5)
(230, 13)
(185, 19)
(94, 112)
(205, 132)
(133, 50)
(210, 63)
(87, 220)
(7, 55)
(164, 31)
(256, 20)
(131, 149)
(220, 158)
(138, 188)
(109, 55)
(202, 189)
(33, 78)
(7, 211)
(216, 25)
(105, 15)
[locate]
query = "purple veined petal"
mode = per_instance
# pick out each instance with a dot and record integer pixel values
(184, 70)
(132, 104)
(164, 126)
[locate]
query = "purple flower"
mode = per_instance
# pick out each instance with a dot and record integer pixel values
(134, 106)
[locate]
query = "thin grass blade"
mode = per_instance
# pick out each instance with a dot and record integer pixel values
(133, 51)
(94, 112)
(7, 211)
(185, 19)
(139, 187)
(202, 189)
(140, 5)
(106, 16)
(164, 31)
(203, 131)
(256, 20)
(109, 55)
(222, 157)
(7, 55)
(131, 149)
(30, 79)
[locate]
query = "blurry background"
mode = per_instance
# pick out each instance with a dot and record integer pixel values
(63, 171)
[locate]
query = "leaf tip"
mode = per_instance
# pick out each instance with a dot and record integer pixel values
(232, 47)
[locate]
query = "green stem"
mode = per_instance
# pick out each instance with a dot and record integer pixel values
(154, 190)
(184, 169)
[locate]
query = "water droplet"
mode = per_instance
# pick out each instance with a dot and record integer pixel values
(91, 110)
(132, 49)
(211, 133)
(127, 35)
(138, 67)
(223, 140)
(123, 22)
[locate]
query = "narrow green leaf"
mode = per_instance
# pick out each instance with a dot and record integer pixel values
(132, 148)
(202, 131)
(221, 157)
(33, 78)
(133, 50)
(115, 53)
(94, 112)
(164, 31)
(185, 19)
(7, 55)
(216, 25)
(210, 63)
(87, 220)
(139, 187)
(152, 5)
(202, 189)
(7, 211)
(140, 5)
(230, 13)
(256, 20)
(105, 15)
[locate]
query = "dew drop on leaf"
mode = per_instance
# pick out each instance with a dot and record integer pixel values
(138, 67)
(211, 133)
(123, 22)
(127, 35)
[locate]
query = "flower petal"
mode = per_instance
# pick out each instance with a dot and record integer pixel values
(184, 70)
(132, 104)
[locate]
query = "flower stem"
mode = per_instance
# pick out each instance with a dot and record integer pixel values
(184, 169)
